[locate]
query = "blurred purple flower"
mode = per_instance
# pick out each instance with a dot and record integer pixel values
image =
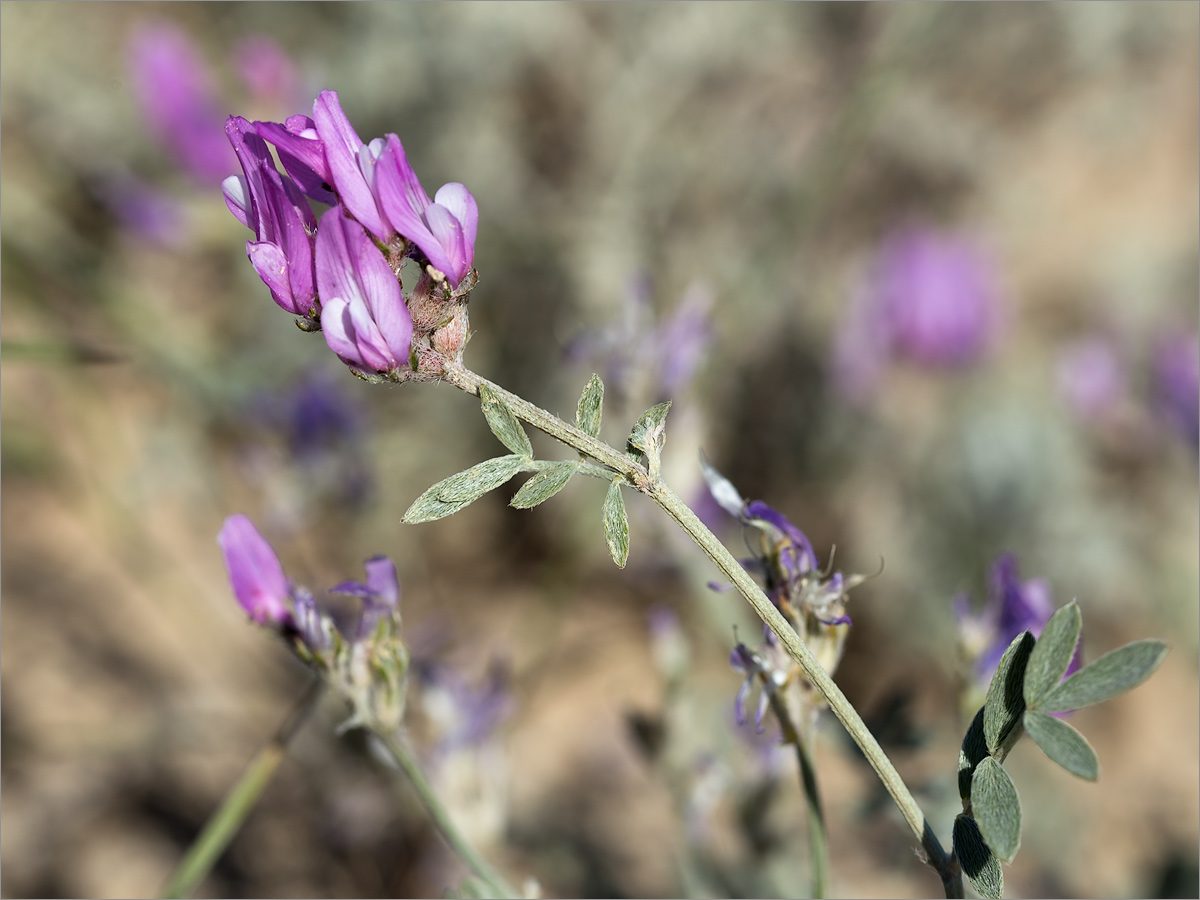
(255, 572)
(380, 594)
(1177, 377)
(1091, 377)
(364, 317)
(466, 715)
(929, 298)
(267, 71)
(177, 99)
(283, 223)
(142, 209)
(746, 662)
(1013, 606)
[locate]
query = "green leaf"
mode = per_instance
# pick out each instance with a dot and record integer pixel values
(974, 750)
(1005, 697)
(544, 484)
(590, 407)
(996, 808)
(503, 423)
(1063, 744)
(649, 432)
(1052, 654)
(452, 494)
(978, 862)
(616, 525)
(1112, 674)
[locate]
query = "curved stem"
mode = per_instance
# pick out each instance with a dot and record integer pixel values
(238, 803)
(637, 477)
(479, 866)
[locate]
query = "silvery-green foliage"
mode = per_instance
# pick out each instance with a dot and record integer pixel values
(1063, 744)
(996, 808)
(589, 409)
(1110, 675)
(452, 494)
(650, 433)
(544, 484)
(974, 751)
(978, 862)
(1005, 701)
(1052, 653)
(503, 423)
(616, 525)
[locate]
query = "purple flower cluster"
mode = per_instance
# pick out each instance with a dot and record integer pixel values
(270, 599)
(341, 272)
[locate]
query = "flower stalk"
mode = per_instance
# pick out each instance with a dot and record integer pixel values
(636, 476)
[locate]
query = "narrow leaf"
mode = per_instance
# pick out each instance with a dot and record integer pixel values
(544, 484)
(616, 525)
(997, 808)
(1005, 697)
(1063, 744)
(1052, 654)
(1112, 674)
(452, 494)
(978, 863)
(974, 751)
(590, 408)
(503, 423)
(649, 432)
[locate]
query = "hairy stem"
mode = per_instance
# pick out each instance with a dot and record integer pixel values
(238, 803)
(480, 867)
(636, 476)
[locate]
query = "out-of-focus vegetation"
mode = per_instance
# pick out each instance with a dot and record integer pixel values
(623, 157)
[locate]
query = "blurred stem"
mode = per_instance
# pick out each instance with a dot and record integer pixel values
(818, 841)
(228, 819)
(637, 477)
(480, 867)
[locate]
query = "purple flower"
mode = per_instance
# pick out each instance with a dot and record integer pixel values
(143, 209)
(302, 153)
(255, 572)
(748, 663)
(176, 95)
(444, 229)
(351, 163)
(1177, 374)
(266, 70)
(380, 594)
(929, 298)
(1091, 377)
(283, 224)
(363, 314)
(1014, 606)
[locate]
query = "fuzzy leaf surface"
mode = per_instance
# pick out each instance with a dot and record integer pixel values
(1112, 674)
(978, 862)
(974, 750)
(544, 484)
(459, 490)
(503, 423)
(590, 408)
(1006, 694)
(616, 525)
(1052, 653)
(997, 808)
(649, 432)
(1063, 744)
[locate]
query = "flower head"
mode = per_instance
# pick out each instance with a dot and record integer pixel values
(1177, 373)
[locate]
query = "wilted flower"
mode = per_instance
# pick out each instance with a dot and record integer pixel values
(930, 298)
(1013, 606)
(1177, 375)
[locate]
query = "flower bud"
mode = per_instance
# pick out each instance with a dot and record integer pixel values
(450, 338)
